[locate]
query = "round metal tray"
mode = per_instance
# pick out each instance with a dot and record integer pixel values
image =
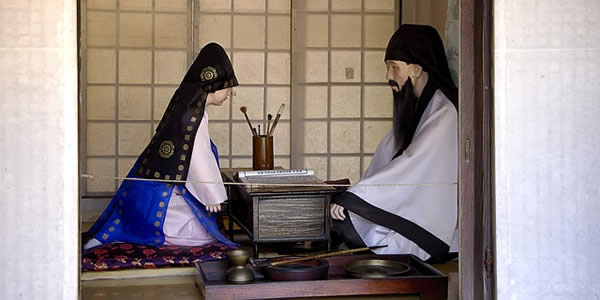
(376, 268)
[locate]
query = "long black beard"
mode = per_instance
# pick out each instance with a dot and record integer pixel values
(405, 107)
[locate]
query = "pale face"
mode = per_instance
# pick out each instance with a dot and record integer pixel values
(397, 71)
(217, 98)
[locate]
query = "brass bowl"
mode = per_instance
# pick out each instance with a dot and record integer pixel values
(239, 274)
(376, 268)
(238, 257)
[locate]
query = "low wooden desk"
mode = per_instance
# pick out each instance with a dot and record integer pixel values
(271, 214)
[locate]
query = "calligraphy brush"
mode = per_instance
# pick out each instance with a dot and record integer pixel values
(243, 110)
(269, 118)
(277, 118)
(293, 260)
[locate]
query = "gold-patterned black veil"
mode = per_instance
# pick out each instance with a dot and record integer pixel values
(168, 154)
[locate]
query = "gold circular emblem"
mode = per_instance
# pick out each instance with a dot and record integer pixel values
(166, 149)
(208, 73)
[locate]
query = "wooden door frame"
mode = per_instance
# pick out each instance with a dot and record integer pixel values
(477, 280)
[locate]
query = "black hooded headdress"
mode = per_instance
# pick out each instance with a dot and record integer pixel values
(422, 45)
(169, 153)
(418, 44)
(211, 69)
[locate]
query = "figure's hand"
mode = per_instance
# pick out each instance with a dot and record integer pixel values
(213, 208)
(337, 212)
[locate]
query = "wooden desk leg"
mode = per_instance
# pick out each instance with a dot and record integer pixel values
(230, 229)
(229, 218)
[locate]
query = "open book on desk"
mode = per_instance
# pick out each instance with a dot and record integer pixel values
(290, 176)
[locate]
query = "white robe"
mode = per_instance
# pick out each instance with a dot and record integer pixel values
(181, 227)
(432, 159)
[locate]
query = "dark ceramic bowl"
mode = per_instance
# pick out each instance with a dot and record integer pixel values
(314, 269)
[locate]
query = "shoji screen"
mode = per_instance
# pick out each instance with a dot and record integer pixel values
(135, 53)
(323, 59)
(341, 105)
(256, 34)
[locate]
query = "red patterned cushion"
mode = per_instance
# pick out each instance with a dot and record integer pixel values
(118, 256)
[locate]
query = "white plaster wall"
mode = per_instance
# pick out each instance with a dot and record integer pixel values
(38, 142)
(547, 87)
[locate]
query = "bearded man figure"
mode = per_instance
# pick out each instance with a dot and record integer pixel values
(407, 198)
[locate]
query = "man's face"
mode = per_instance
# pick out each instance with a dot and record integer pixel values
(397, 72)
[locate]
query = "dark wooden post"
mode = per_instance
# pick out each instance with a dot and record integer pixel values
(475, 150)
